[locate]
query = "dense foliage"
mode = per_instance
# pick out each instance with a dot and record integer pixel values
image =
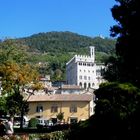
(126, 66)
(64, 42)
(33, 122)
(50, 44)
(117, 113)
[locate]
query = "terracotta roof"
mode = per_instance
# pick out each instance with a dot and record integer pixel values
(61, 97)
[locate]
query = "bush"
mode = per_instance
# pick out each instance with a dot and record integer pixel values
(33, 122)
(57, 135)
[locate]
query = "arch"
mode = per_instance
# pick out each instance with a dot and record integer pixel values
(80, 84)
(89, 85)
(85, 85)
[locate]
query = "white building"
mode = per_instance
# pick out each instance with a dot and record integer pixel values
(83, 71)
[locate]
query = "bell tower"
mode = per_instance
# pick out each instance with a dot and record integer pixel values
(92, 52)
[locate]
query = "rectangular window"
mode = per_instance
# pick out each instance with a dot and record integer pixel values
(54, 108)
(98, 72)
(85, 77)
(80, 77)
(73, 109)
(73, 120)
(39, 108)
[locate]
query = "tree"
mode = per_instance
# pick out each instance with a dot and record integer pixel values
(15, 75)
(116, 114)
(116, 108)
(57, 75)
(15, 103)
(10, 50)
(127, 14)
(2, 106)
(60, 116)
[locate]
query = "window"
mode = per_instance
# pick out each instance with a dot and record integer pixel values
(39, 108)
(85, 77)
(88, 85)
(89, 78)
(80, 84)
(39, 117)
(98, 72)
(73, 109)
(73, 120)
(85, 85)
(80, 77)
(54, 108)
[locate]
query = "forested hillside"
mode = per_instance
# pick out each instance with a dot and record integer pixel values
(54, 49)
(60, 42)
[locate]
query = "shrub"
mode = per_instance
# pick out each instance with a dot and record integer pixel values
(33, 122)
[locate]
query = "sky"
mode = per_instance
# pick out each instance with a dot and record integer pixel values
(23, 18)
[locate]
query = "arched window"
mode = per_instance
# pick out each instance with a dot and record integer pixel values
(85, 85)
(80, 84)
(93, 84)
(88, 85)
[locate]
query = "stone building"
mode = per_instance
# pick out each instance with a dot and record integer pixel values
(82, 70)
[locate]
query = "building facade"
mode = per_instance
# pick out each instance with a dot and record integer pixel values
(83, 71)
(75, 107)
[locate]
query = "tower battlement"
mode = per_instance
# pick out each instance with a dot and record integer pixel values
(86, 58)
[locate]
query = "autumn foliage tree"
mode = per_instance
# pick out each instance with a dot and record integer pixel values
(15, 74)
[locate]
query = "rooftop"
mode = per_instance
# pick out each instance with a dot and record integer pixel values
(61, 97)
(70, 87)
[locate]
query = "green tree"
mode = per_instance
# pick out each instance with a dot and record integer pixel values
(15, 103)
(57, 74)
(127, 14)
(60, 116)
(9, 50)
(2, 106)
(33, 122)
(115, 110)
(116, 114)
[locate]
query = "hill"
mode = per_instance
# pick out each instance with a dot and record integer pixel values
(54, 49)
(59, 42)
